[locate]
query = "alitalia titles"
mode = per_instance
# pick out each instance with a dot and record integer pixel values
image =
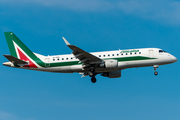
(129, 51)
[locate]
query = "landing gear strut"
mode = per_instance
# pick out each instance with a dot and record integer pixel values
(92, 75)
(155, 67)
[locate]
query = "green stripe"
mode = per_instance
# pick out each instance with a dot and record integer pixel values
(65, 64)
(134, 58)
(121, 59)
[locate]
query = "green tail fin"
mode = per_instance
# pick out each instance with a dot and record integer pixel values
(19, 50)
(12, 41)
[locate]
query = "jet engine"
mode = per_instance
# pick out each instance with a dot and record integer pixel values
(109, 64)
(115, 74)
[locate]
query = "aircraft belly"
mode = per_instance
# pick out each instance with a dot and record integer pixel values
(76, 68)
(141, 63)
(144, 63)
(122, 65)
(64, 69)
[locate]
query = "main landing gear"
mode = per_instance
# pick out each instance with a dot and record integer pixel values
(93, 80)
(92, 75)
(155, 67)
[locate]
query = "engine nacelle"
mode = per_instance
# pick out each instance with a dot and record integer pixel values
(115, 74)
(110, 64)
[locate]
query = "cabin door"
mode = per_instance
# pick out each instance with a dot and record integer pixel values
(151, 53)
(47, 62)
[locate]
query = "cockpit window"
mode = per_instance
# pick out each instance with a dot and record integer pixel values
(161, 51)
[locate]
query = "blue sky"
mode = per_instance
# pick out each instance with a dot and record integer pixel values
(93, 25)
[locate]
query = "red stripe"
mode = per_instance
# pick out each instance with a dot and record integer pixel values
(23, 57)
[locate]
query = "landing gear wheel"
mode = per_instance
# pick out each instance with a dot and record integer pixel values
(93, 79)
(155, 73)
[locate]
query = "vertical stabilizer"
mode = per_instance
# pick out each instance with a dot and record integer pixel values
(15, 44)
(19, 50)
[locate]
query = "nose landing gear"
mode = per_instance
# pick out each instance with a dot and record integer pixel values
(155, 67)
(155, 73)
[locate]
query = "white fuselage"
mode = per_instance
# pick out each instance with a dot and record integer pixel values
(126, 59)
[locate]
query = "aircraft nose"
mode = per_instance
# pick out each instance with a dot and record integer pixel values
(173, 58)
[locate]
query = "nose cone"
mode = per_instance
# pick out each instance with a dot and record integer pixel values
(173, 58)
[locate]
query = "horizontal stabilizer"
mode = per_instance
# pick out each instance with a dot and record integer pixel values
(14, 59)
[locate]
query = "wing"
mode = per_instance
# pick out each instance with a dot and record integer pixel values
(82, 55)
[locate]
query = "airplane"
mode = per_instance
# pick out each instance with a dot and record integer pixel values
(107, 63)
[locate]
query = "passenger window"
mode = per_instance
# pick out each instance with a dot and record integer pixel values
(62, 58)
(108, 55)
(104, 55)
(121, 53)
(53, 59)
(112, 54)
(130, 53)
(99, 55)
(126, 53)
(71, 58)
(139, 52)
(66, 58)
(135, 53)
(117, 54)
(58, 59)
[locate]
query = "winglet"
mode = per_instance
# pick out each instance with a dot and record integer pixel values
(67, 43)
